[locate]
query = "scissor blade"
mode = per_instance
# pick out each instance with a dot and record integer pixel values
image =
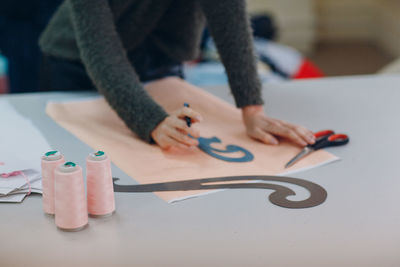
(302, 154)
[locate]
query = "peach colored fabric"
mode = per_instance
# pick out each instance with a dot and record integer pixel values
(96, 124)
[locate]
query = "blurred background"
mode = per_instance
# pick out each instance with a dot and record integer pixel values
(343, 37)
(295, 39)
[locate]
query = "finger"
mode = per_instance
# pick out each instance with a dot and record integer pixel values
(265, 137)
(167, 142)
(188, 112)
(280, 129)
(182, 126)
(304, 133)
(181, 137)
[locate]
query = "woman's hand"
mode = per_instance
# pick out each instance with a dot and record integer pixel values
(173, 131)
(264, 128)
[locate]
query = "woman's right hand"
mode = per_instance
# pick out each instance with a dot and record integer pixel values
(173, 130)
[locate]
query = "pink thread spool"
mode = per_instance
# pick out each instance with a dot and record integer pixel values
(70, 199)
(100, 190)
(50, 161)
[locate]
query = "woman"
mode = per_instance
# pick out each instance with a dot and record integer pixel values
(117, 46)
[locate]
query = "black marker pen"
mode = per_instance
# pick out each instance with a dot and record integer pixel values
(188, 120)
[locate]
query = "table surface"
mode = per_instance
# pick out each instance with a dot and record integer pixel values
(358, 225)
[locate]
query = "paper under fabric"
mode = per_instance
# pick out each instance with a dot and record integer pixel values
(16, 173)
(96, 124)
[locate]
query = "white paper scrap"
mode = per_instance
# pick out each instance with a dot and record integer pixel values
(21, 144)
(17, 198)
(14, 183)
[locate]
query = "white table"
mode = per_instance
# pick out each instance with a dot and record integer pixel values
(358, 225)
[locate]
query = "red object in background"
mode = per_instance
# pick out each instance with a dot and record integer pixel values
(308, 70)
(287, 60)
(3, 84)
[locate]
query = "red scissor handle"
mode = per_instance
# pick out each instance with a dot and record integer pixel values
(331, 140)
(323, 133)
(337, 137)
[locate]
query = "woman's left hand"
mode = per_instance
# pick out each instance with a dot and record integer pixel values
(264, 128)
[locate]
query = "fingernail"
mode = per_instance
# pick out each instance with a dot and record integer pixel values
(198, 118)
(274, 142)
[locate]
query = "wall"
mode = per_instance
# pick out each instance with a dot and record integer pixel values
(388, 34)
(346, 20)
(303, 22)
(295, 18)
(374, 21)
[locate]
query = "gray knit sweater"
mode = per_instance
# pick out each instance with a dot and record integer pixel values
(100, 33)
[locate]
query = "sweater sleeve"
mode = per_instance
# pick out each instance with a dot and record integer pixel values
(107, 64)
(230, 28)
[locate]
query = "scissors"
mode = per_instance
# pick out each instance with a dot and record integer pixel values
(325, 138)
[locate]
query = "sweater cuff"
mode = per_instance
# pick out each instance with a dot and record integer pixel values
(144, 132)
(249, 101)
(247, 91)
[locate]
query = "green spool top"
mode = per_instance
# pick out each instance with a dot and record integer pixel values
(99, 153)
(52, 156)
(51, 153)
(69, 164)
(97, 156)
(68, 167)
